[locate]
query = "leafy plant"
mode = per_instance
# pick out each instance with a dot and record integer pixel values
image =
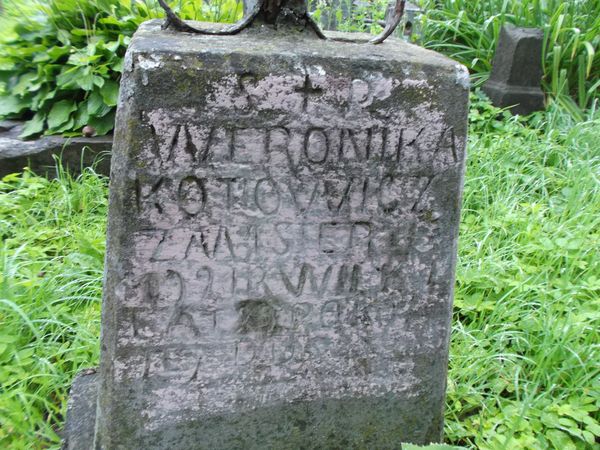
(525, 342)
(526, 307)
(468, 31)
(51, 263)
(430, 447)
(61, 60)
(349, 15)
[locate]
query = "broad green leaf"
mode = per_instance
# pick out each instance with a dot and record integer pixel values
(57, 52)
(38, 101)
(12, 104)
(27, 83)
(110, 92)
(64, 37)
(80, 32)
(34, 126)
(41, 57)
(60, 113)
(118, 66)
(560, 440)
(96, 106)
(430, 447)
(68, 125)
(103, 124)
(8, 338)
(113, 46)
(110, 21)
(7, 63)
(86, 80)
(588, 437)
(82, 116)
(99, 81)
(68, 78)
(82, 59)
(593, 428)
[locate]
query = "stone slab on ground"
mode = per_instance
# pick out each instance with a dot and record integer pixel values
(517, 70)
(81, 412)
(282, 238)
(38, 154)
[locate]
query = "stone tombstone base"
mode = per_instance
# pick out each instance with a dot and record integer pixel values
(281, 243)
(516, 77)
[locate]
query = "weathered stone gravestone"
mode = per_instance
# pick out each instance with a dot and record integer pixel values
(517, 70)
(281, 243)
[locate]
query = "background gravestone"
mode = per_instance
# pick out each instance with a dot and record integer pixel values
(41, 155)
(410, 25)
(281, 243)
(517, 70)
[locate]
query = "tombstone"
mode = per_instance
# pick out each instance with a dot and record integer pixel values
(517, 70)
(281, 243)
(40, 155)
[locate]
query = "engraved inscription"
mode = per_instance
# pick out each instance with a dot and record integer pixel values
(291, 237)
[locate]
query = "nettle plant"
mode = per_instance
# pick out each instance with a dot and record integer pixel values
(61, 60)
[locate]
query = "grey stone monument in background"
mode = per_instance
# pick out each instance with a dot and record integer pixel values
(281, 244)
(517, 70)
(410, 25)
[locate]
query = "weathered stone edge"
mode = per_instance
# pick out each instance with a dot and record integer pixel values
(78, 433)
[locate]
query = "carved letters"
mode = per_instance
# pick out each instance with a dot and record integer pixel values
(273, 246)
(311, 146)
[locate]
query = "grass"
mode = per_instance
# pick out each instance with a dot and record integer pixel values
(524, 370)
(51, 262)
(525, 349)
(468, 32)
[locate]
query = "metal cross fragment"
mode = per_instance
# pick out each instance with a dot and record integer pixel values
(276, 13)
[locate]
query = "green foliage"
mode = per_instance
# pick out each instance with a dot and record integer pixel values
(61, 60)
(523, 371)
(361, 16)
(430, 447)
(52, 237)
(525, 344)
(468, 31)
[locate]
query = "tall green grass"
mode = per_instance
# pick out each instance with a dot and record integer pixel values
(524, 370)
(51, 263)
(468, 31)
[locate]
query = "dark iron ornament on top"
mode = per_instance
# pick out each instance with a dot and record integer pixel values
(276, 12)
